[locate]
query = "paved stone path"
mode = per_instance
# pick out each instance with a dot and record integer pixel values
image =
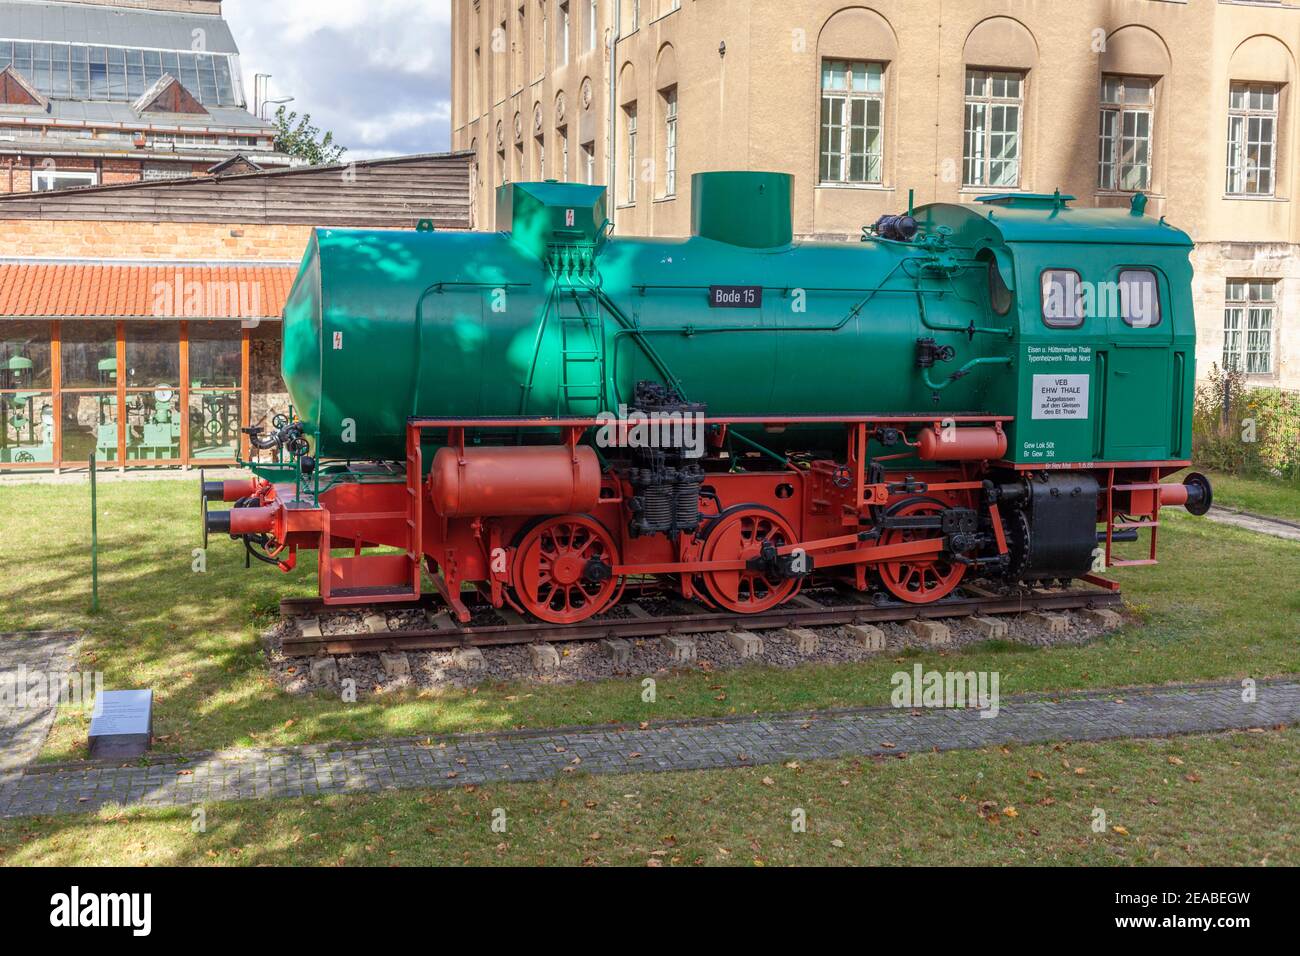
(23, 729)
(685, 745)
(1276, 527)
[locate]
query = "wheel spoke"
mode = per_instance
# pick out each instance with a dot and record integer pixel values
(549, 566)
(739, 536)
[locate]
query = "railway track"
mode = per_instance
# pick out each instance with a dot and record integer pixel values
(653, 615)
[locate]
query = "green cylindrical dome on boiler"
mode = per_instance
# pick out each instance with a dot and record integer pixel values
(749, 209)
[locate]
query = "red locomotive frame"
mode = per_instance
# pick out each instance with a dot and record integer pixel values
(567, 566)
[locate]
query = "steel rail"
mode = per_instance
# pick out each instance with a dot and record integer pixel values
(800, 611)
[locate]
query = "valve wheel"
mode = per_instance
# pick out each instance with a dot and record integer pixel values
(561, 569)
(738, 534)
(923, 579)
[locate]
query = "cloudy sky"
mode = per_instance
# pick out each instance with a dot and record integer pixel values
(376, 72)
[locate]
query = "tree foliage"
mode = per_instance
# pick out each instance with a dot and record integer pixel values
(296, 136)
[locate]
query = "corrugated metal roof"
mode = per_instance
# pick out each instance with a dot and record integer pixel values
(148, 292)
(82, 23)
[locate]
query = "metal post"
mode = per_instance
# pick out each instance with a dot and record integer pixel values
(94, 540)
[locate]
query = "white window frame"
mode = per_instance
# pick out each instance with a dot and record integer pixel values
(1249, 320)
(1126, 134)
(588, 152)
(1243, 112)
(43, 179)
(978, 141)
(562, 41)
(630, 114)
(540, 144)
(670, 142)
(562, 134)
(546, 38)
(835, 164)
(593, 9)
(520, 52)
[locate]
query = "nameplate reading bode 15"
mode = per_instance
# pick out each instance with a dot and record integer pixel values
(735, 296)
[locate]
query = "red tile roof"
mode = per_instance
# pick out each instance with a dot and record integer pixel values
(68, 290)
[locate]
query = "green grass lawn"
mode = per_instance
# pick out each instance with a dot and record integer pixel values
(1264, 496)
(1226, 799)
(1223, 604)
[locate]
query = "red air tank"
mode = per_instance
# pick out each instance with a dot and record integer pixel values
(962, 444)
(521, 480)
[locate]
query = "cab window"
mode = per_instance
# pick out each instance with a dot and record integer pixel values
(1062, 299)
(1139, 298)
(999, 295)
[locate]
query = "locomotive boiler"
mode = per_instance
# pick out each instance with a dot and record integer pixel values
(541, 417)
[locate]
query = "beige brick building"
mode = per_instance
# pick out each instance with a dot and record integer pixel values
(1190, 101)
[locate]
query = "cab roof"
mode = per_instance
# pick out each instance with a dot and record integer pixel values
(1037, 217)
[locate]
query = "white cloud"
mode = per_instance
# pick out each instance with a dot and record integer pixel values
(375, 72)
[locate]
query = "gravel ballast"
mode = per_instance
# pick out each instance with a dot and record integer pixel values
(581, 661)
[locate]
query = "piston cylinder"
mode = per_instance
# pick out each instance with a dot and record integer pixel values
(527, 480)
(962, 444)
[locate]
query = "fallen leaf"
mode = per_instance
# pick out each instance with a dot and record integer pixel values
(1011, 812)
(837, 843)
(1120, 830)
(769, 782)
(1175, 761)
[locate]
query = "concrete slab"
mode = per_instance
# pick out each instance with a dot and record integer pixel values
(680, 649)
(806, 640)
(990, 627)
(867, 635)
(935, 632)
(745, 643)
(545, 658)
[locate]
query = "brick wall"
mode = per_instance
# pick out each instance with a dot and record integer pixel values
(113, 172)
(15, 174)
(16, 171)
(153, 240)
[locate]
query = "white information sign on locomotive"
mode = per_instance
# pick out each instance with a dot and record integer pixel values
(1060, 396)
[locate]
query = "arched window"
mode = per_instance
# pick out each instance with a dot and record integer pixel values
(1260, 72)
(1133, 67)
(999, 55)
(666, 86)
(855, 48)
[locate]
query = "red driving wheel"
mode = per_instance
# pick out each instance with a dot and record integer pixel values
(923, 579)
(739, 534)
(561, 571)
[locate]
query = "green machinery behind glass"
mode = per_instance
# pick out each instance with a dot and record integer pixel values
(26, 417)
